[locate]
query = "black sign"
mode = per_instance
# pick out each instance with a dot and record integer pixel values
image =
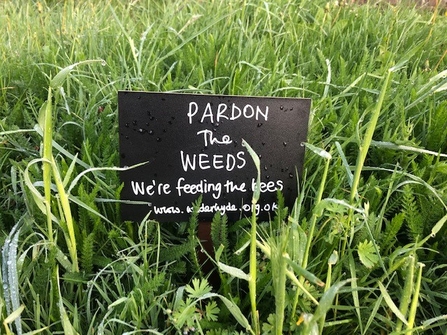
(193, 145)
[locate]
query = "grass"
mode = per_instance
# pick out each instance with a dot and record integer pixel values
(361, 252)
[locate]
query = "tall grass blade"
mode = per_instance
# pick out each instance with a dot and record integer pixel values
(257, 162)
(66, 323)
(50, 167)
(58, 80)
(407, 291)
(319, 151)
(237, 313)
(253, 263)
(14, 316)
(389, 301)
(345, 163)
(366, 143)
(11, 277)
(415, 300)
(354, 287)
(328, 157)
(303, 272)
(435, 230)
(68, 218)
(233, 271)
(325, 302)
(373, 315)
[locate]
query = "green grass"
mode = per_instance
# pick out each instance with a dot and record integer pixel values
(361, 252)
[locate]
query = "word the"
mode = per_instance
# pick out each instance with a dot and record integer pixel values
(224, 112)
(208, 137)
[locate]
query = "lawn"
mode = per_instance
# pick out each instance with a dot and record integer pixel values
(362, 251)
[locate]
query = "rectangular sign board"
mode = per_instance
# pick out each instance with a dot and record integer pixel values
(192, 144)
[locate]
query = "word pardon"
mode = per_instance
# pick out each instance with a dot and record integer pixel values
(193, 147)
(224, 112)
